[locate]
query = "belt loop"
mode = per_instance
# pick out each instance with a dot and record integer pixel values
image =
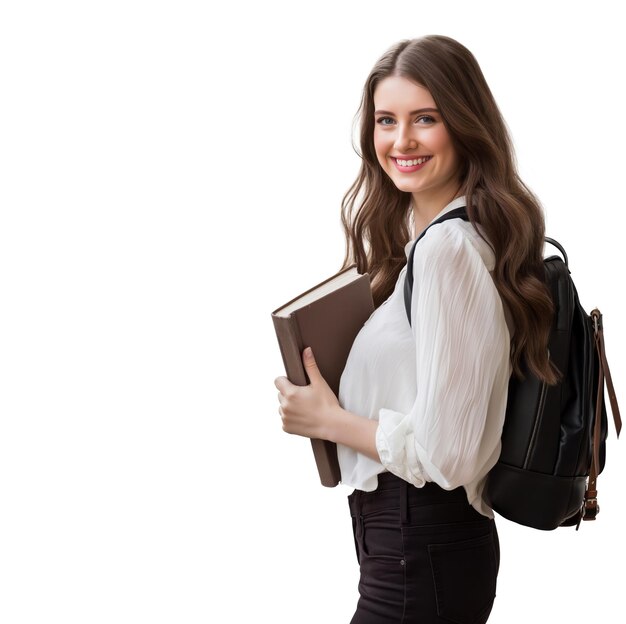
(358, 512)
(404, 502)
(357, 502)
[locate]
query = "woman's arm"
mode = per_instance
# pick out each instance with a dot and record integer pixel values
(454, 426)
(314, 411)
(354, 431)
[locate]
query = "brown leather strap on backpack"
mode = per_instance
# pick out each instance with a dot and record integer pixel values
(590, 507)
(607, 373)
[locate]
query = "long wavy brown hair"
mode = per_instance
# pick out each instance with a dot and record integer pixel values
(375, 211)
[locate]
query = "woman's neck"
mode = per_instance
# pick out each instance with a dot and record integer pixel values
(425, 209)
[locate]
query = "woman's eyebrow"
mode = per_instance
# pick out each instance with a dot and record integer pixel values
(419, 110)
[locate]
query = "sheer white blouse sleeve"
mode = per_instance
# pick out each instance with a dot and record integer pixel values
(452, 433)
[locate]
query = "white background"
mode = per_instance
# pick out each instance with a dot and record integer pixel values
(170, 173)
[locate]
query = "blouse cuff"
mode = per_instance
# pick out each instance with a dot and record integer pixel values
(396, 448)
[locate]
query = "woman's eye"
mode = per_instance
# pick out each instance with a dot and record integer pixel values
(427, 117)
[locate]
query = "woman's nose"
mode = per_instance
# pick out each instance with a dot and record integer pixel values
(405, 140)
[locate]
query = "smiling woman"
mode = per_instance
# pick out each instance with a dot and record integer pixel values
(416, 440)
(396, 136)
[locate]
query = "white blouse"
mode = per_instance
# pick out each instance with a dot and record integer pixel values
(437, 387)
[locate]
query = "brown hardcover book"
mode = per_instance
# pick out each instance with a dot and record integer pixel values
(326, 318)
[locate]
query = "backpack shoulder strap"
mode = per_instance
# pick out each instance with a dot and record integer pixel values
(456, 213)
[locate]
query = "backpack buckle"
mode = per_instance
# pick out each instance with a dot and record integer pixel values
(591, 509)
(596, 315)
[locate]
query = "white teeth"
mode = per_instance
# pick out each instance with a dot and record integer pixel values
(415, 161)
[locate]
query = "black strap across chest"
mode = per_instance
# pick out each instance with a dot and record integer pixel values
(456, 213)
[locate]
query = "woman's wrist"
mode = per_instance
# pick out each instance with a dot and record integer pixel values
(350, 429)
(335, 423)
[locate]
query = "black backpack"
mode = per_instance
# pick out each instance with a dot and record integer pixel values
(553, 439)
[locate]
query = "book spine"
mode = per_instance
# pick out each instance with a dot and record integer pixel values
(291, 347)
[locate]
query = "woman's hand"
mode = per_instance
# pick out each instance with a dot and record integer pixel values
(309, 410)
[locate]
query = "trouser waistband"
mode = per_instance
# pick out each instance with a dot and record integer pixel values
(391, 488)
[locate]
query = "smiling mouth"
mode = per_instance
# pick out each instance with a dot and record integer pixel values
(410, 168)
(411, 161)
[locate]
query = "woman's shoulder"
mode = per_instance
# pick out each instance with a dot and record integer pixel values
(457, 234)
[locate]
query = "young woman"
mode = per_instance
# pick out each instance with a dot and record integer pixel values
(420, 410)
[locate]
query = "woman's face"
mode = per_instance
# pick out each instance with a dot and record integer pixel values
(402, 130)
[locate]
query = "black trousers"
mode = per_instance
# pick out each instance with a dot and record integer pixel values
(426, 555)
